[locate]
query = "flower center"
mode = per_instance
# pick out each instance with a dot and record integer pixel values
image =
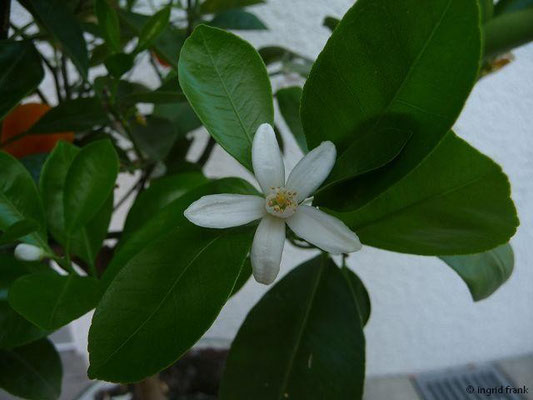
(281, 202)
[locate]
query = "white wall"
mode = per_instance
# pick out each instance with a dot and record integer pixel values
(422, 316)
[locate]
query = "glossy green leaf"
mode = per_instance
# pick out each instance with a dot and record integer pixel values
(89, 183)
(50, 300)
(77, 115)
(505, 6)
(32, 371)
(20, 73)
(155, 136)
(166, 220)
(153, 27)
(87, 241)
(228, 87)
(167, 44)
(20, 200)
(457, 201)
(237, 19)
(303, 340)
(59, 21)
(216, 6)
(484, 272)
(359, 293)
(146, 321)
(289, 105)
(109, 24)
(397, 65)
(161, 192)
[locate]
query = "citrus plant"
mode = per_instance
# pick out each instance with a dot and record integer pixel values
(382, 167)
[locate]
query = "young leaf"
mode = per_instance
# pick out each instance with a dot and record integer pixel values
(484, 272)
(20, 73)
(237, 19)
(457, 201)
(289, 105)
(398, 65)
(228, 87)
(32, 371)
(51, 301)
(153, 27)
(20, 200)
(89, 183)
(87, 241)
(133, 337)
(215, 6)
(303, 340)
(109, 24)
(58, 20)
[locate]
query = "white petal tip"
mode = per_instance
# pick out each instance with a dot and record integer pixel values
(28, 252)
(265, 280)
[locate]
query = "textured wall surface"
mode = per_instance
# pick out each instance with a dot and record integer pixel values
(422, 313)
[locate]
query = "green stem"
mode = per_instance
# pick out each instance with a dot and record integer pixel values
(508, 31)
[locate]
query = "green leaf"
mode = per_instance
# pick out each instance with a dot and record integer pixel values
(34, 164)
(289, 105)
(303, 340)
(331, 23)
(59, 21)
(10, 270)
(50, 300)
(457, 201)
(228, 87)
(161, 192)
(118, 64)
(146, 321)
(168, 44)
(153, 27)
(397, 65)
(244, 276)
(508, 31)
(484, 272)
(237, 19)
(166, 220)
(505, 6)
(109, 24)
(359, 293)
(21, 73)
(180, 114)
(32, 371)
(87, 241)
(216, 6)
(20, 200)
(487, 9)
(18, 230)
(77, 115)
(89, 183)
(155, 136)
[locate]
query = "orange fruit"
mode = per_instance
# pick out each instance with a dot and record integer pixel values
(19, 120)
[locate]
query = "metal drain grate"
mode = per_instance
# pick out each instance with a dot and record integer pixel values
(479, 383)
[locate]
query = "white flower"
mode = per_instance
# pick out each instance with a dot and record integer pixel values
(29, 252)
(281, 204)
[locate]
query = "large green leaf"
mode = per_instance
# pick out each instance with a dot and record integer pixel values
(59, 21)
(457, 201)
(164, 300)
(32, 371)
(20, 73)
(89, 182)
(50, 300)
(166, 220)
(215, 6)
(161, 192)
(303, 340)
(87, 241)
(484, 272)
(77, 115)
(289, 105)
(228, 87)
(237, 19)
(20, 200)
(392, 66)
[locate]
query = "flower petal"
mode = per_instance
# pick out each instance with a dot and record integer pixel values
(324, 231)
(267, 249)
(268, 164)
(225, 210)
(312, 170)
